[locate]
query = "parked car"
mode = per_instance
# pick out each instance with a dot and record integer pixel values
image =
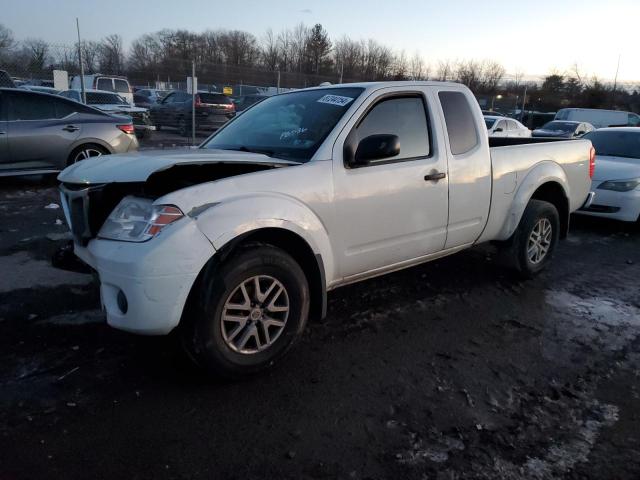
(213, 110)
(562, 129)
(616, 181)
(147, 97)
(600, 118)
(6, 80)
(505, 127)
(113, 103)
(109, 83)
(43, 133)
(40, 88)
(238, 241)
(245, 101)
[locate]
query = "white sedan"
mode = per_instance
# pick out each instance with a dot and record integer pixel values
(616, 181)
(498, 126)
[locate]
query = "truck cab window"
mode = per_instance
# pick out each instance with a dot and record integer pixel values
(459, 119)
(404, 117)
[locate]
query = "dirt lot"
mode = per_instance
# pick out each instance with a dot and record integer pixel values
(451, 370)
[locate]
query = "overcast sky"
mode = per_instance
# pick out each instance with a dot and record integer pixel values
(535, 37)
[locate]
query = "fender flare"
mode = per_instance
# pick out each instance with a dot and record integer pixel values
(238, 216)
(544, 172)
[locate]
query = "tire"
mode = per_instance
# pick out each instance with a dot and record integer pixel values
(85, 151)
(237, 348)
(183, 128)
(532, 244)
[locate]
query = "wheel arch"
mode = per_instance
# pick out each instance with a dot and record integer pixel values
(312, 263)
(547, 181)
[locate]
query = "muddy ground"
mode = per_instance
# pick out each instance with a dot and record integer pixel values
(451, 370)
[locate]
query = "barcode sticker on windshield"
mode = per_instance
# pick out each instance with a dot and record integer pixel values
(335, 100)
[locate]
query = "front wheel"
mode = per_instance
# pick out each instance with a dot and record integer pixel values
(249, 312)
(536, 237)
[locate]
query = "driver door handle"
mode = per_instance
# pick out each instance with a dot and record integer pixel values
(435, 176)
(71, 128)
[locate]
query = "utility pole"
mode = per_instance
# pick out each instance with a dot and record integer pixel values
(84, 93)
(193, 102)
(615, 81)
(341, 71)
(524, 102)
(278, 81)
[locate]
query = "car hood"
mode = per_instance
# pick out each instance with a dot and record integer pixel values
(139, 166)
(616, 168)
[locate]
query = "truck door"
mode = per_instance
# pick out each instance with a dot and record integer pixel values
(393, 210)
(469, 164)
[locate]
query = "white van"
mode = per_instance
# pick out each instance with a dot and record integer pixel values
(110, 83)
(599, 118)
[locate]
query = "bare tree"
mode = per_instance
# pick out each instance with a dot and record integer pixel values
(445, 70)
(417, 68)
(6, 38)
(111, 55)
(35, 52)
(270, 51)
(491, 74)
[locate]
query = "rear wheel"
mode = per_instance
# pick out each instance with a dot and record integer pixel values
(249, 312)
(183, 128)
(86, 151)
(536, 237)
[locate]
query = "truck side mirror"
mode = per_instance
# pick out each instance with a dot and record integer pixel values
(375, 147)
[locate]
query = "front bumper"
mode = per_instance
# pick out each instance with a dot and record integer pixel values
(155, 277)
(623, 206)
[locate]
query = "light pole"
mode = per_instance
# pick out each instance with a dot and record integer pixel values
(493, 99)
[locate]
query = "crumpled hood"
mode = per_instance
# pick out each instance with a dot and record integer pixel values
(138, 166)
(616, 168)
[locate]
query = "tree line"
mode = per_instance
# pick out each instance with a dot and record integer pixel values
(304, 55)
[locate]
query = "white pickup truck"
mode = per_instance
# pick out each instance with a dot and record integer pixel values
(236, 243)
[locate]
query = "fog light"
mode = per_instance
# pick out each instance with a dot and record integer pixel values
(123, 305)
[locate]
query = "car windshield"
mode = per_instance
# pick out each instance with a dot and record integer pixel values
(615, 143)
(291, 126)
(489, 122)
(99, 98)
(560, 126)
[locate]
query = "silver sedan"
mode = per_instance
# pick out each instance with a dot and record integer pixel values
(42, 133)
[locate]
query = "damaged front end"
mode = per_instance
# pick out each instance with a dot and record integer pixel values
(87, 206)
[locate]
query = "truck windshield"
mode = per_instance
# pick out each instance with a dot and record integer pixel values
(290, 126)
(615, 143)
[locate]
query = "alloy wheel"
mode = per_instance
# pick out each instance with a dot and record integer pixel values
(86, 153)
(539, 241)
(255, 314)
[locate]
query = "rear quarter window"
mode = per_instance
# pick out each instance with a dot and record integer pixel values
(459, 119)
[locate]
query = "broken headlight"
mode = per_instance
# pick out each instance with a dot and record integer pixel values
(138, 220)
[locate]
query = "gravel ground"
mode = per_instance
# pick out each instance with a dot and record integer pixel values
(450, 370)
